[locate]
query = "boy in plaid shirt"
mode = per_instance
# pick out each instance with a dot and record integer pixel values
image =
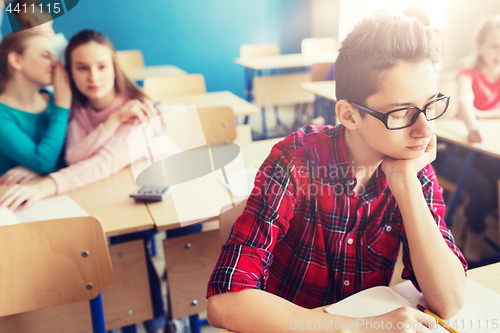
(331, 205)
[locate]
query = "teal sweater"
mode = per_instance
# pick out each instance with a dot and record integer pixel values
(34, 141)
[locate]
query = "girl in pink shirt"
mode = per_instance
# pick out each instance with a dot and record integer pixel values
(479, 86)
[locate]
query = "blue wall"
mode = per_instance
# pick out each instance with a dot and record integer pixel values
(199, 36)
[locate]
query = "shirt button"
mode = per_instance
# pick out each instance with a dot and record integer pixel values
(351, 182)
(350, 241)
(388, 228)
(346, 282)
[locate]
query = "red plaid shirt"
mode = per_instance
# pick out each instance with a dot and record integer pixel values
(306, 236)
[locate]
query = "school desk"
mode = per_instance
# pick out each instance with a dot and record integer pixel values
(282, 61)
(142, 73)
(164, 213)
(455, 132)
(214, 99)
(109, 201)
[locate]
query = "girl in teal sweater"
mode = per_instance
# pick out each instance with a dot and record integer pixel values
(33, 121)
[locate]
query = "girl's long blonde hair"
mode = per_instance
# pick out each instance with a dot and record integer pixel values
(483, 29)
(13, 42)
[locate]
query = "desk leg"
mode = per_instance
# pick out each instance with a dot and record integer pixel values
(194, 322)
(248, 77)
(460, 184)
(97, 313)
(264, 126)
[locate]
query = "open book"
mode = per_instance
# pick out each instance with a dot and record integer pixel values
(481, 312)
(49, 209)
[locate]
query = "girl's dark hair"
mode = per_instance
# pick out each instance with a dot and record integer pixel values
(376, 45)
(122, 83)
(13, 42)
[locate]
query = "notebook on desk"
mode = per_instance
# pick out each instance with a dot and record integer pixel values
(481, 312)
(49, 209)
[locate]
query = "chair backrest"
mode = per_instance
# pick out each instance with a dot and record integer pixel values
(130, 59)
(54, 262)
(447, 85)
(227, 218)
(189, 262)
(218, 125)
(158, 87)
(259, 50)
(317, 46)
(283, 89)
(321, 71)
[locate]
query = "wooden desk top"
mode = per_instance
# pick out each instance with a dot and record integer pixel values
(324, 89)
(141, 74)
(293, 60)
(213, 99)
(109, 201)
(454, 131)
(164, 213)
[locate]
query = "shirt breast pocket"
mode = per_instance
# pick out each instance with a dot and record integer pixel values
(382, 248)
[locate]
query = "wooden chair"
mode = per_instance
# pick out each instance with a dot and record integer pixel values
(218, 125)
(130, 59)
(447, 85)
(316, 46)
(159, 87)
(323, 107)
(283, 89)
(253, 51)
(259, 50)
(50, 263)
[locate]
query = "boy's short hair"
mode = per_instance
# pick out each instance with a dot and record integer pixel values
(377, 44)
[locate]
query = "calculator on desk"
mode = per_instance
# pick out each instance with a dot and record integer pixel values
(151, 193)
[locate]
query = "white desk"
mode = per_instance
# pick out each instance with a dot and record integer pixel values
(141, 74)
(293, 60)
(324, 89)
(214, 99)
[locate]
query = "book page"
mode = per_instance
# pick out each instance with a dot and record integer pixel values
(370, 302)
(50, 209)
(7, 217)
(481, 312)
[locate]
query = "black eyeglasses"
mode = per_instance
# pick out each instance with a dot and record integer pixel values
(405, 117)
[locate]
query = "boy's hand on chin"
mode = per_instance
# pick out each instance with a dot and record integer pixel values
(409, 167)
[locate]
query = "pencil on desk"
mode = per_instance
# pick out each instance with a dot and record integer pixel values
(439, 320)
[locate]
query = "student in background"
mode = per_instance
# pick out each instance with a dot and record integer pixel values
(33, 121)
(37, 18)
(479, 98)
(106, 108)
(332, 205)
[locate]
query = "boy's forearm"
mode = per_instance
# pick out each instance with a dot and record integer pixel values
(253, 310)
(438, 271)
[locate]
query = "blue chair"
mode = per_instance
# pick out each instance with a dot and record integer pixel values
(55, 262)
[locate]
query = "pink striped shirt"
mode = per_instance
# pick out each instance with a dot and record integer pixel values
(93, 153)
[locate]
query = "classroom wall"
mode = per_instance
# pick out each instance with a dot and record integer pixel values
(198, 36)
(325, 18)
